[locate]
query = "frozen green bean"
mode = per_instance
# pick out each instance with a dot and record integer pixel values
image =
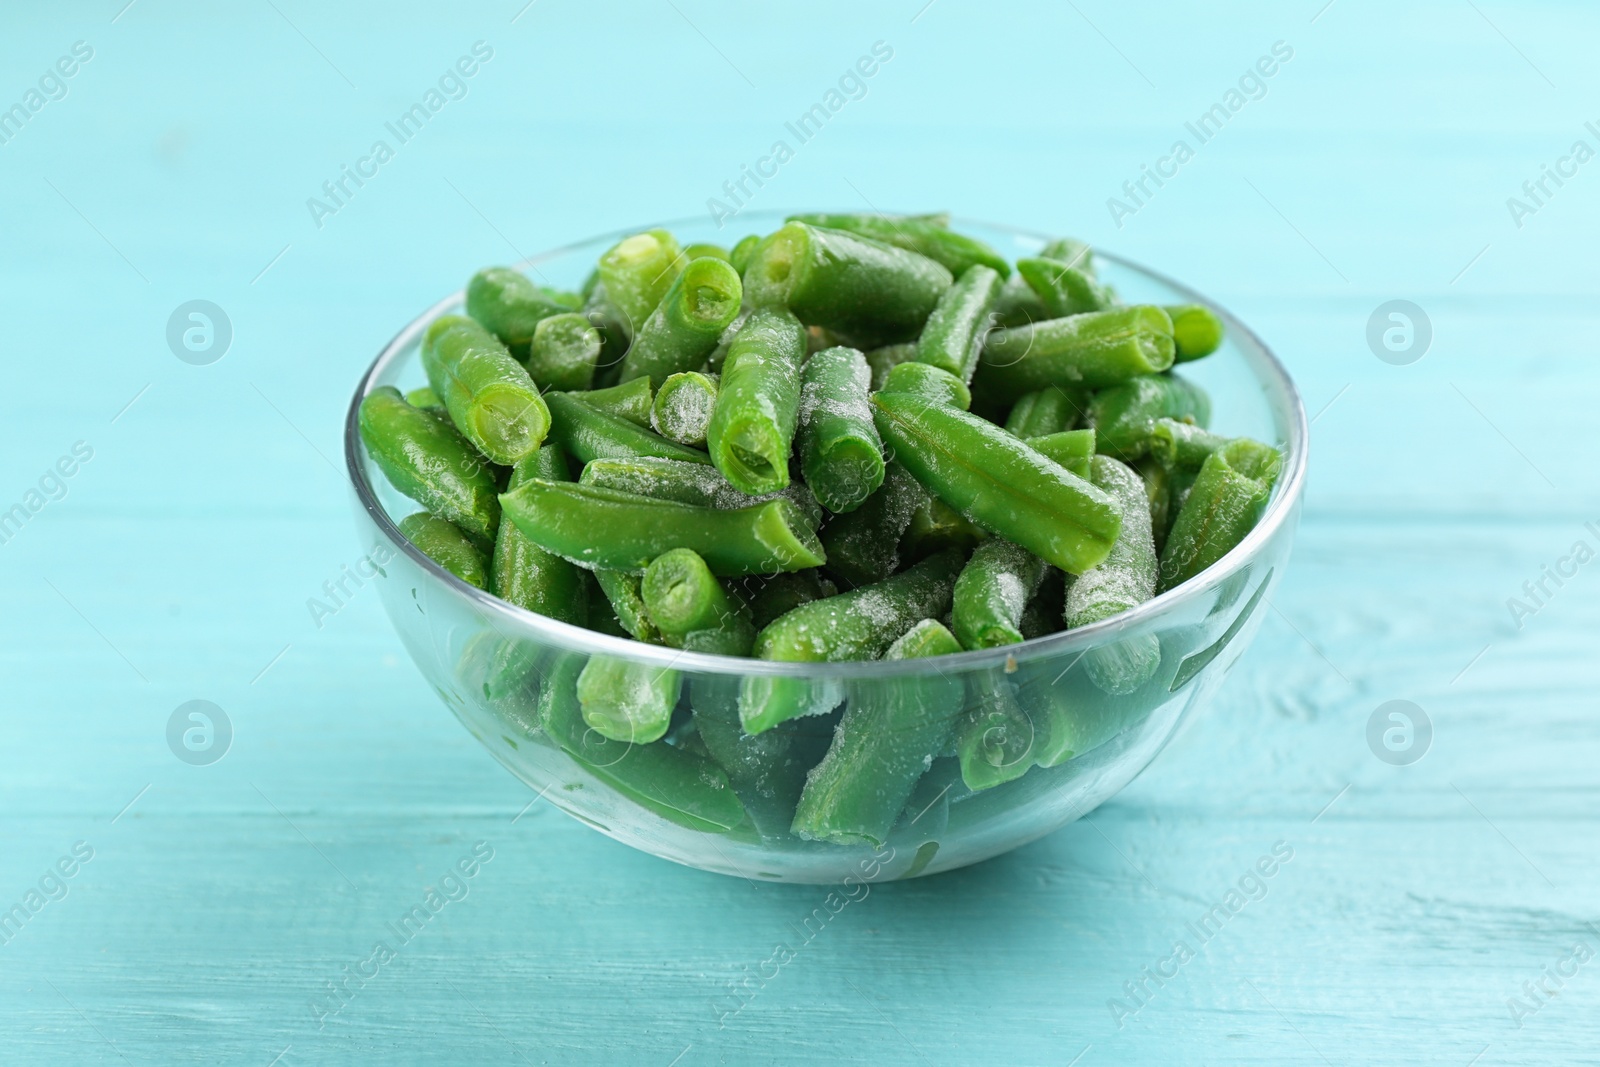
(682, 408)
(840, 452)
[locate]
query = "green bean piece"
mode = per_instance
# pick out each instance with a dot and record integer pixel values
(1043, 615)
(632, 400)
(522, 573)
(782, 593)
(1050, 410)
(425, 399)
(758, 402)
(1182, 445)
(689, 483)
(623, 592)
(1016, 304)
(684, 327)
(1071, 448)
(860, 624)
(607, 530)
(489, 395)
(840, 452)
(623, 700)
(502, 673)
(927, 235)
(564, 352)
(677, 785)
(1196, 331)
(889, 735)
(953, 336)
(1071, 251)
(739, 255)
(998, 482)
(702, 251)
(885, 359)
(586, 434)
(637, 272)
(768, 771)
(1063, 289)
(1124, 416)
(509, 305)
(692, 609)
(933, 384)
(425, 458)
(861, 287)
(719, 354)
(616, 328)
(1124, 580)
(936, 526)
(996, 742)
(863, 546)
(993, 591)
(1096, 349)
(447, 545)
(1222, 507)
(682, 408)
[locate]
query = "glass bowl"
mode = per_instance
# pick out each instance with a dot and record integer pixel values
(488, 660)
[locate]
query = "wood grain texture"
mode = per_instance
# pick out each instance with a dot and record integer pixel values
(221, 902)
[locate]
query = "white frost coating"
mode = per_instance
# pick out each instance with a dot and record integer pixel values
(1127, 576)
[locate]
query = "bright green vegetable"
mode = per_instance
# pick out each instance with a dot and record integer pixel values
(1125, 416)
(683, 406)
(993, 591)
(626, 701)
(927, 235)
(1071, 448)
(1062, 288)
(867, 290)
(425, 399)
(997, 741)
(758, 400)
(1222, 507)
(998, 482)
(1196, 331)
(444, 543)
(1050, 410)
(691, 608)
(839, 448)
(1125, 579)
(1182, 445)
(563, 352)
(489, 395)
(631, 400)
(739, 255)
(932, 384)
(509, 305)
(701, 251)
(889, 735)
(953, 337)
(864, 545)
(609, 530)
(638, 271)
(622, 591)
(524, 574)
(689, 483)
(586, 434)
(427, 460)
(1098, 349)
(1071, 251)
(684, 327)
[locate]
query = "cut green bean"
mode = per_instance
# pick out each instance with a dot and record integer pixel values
(623, 700)
(1196, 331)
(1071, 448)
(1071, 251)
(1097, 349)
(622, 591)
(692, 609)
(678, 786)
(863, 288)
(1182, 445)
(888, 737)
(682, 408)
(608, 530)
(739, 255)
(586, 434)
(684, 327)
(689, 483)
(1227, 498)
(927, 235)
(840, 452)
(564, 352)
(1124, 580)
(996, 742)
(631, 400)
(953, 336)
(758, 400)
(638, 271)
(1125, 416)
(864, 545)
(702, 251)
(932, 384)
(1063, 289)
(444, 542)
(1050, 410)
(884, 360)
(509, 305)
(425, 458)
(998, 482)
(425, 399)
(489, 395)
(993, 591)
(522, 573)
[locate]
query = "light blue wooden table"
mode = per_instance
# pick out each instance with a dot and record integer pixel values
(1424, 905)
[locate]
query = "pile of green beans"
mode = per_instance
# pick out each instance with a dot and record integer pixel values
(858, 437)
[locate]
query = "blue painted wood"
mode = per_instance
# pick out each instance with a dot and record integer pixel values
(220, 901)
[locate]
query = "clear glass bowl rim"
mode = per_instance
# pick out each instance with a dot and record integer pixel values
(1280, 509)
